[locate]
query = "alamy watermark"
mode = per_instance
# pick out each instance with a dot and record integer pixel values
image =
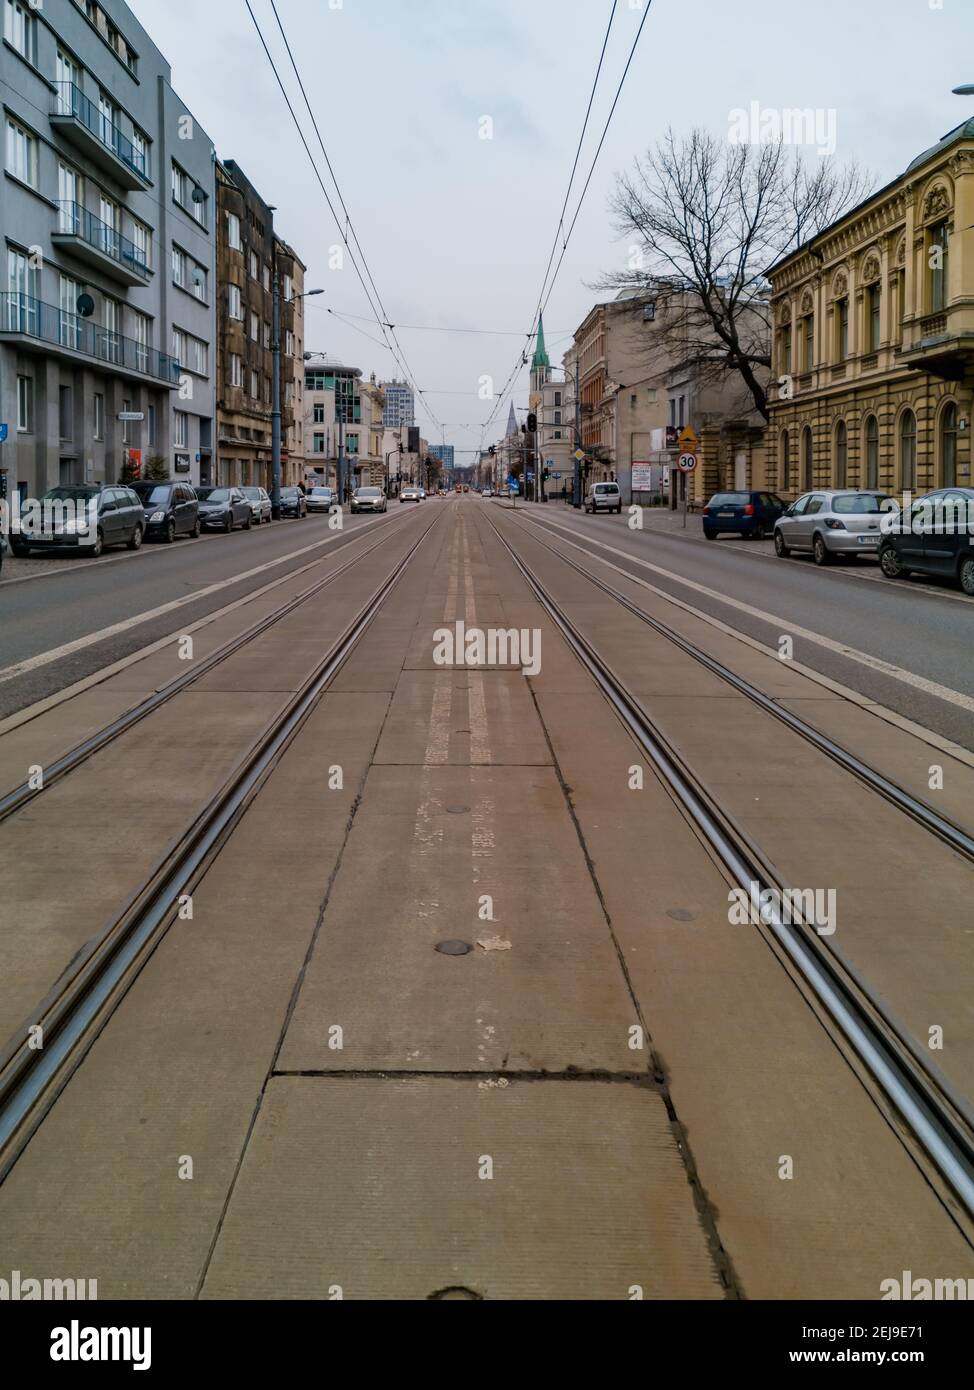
(813, 907)
(22, 1289)
(494, 646)
(770, 125)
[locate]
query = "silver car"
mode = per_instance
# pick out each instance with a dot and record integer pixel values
(842, 523)
(260, 504)
(368, 499)
(321, 499)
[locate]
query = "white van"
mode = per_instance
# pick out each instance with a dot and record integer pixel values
(603, 497)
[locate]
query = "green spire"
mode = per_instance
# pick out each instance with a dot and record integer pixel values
(540, 352)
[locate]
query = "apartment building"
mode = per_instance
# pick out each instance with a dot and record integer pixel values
(332, 415)
(292, 271)
(107, 314)
(371, 466)
(400, 407)
(874, 337)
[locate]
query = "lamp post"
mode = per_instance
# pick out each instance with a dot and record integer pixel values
(276, 390)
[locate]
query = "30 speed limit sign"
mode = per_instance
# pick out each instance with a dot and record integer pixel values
(688, 463)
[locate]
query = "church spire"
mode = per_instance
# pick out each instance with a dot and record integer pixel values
(512, 423)
(540, 353)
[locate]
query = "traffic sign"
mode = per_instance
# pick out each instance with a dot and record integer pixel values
(579, 455)
(4, 430)
(557, 477)
(689, 439)
(687, 462)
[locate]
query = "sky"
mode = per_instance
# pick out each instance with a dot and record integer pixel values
(457, 229)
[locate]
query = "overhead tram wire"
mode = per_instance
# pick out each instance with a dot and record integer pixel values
(385, 323)
(545, 299)
(398, 356)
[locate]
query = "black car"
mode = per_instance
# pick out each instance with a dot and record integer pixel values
(742, 514)
(171, 510)
(83, 517)
(223, 508)
(293, 502)
(935, 536)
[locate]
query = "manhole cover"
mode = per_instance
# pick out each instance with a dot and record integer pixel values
(454, 948)
(680, 914)
(457, 810)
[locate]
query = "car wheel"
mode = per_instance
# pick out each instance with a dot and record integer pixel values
(99, 545)
(711, 535)
(18, 548)
(966, 575)
(780, 548)
(197, 530)
(249, 522)
(760, 533)
(820, 551)
(228, 523)
(170, 532)
(136, 542)
(891, 563)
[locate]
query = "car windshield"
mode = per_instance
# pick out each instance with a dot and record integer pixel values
(218, 494)
(321, 492)
(70, 494)
(289, 492)
(152, 496)
(369, 492)
(253, 493)
(859, 504)
(606, 487)
(730, 499)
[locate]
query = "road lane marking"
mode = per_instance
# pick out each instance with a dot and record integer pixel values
(34, 663)
(873, 663)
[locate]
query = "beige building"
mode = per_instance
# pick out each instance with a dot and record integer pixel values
(371, 470)
(874, 337)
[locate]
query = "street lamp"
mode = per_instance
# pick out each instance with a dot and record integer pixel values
(966, 89)
(276, 391)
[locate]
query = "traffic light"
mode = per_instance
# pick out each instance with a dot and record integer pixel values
(532, 424)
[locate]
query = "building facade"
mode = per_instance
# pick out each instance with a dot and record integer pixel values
(874, 337)
(106, 215)
(333, 417)
(291, 270)
(371, 466)
(400, 408)
(446, 453)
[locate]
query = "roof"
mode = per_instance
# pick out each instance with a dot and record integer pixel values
(964, 131)
(541, 358)
(321, 361)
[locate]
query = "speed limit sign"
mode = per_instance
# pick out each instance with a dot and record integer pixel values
(688, 463)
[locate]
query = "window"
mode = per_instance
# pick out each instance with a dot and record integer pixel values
(179, 263)
(142, 241)
(842, 330)
(235, 307)
(111, 321)
(98, 424)
(872, 452)
(683, 411)
(20, 28)
(180, 429)
(255, 385)
(908, 450)
(179, 348)
(938, 268)
(557, 398)
(288, 288)
(25, 405)
(108, 121)
(948, 446)
(70, 197)
(236, 370)
(254, 326)
(199, 278)
(289, 343)
(199, 357)
(557, 417)
(785, 460)
(187, 193)
(808, 360)
(267, 278)
(140, 147)
(319, 413)
(267, 335)
(808, 458)
(65, 412)
(21, 153)
(318, 444)
(841, 455)
(873, 301)
(143, 337)
(254, 266)
(784, 362)
(233, 232)
(69, 322)
(351, 444)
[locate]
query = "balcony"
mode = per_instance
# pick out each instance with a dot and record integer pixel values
(80, 121)
(76, 339)
(89, 239)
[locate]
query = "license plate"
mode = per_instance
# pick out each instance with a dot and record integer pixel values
(725, 513)
(869, 540)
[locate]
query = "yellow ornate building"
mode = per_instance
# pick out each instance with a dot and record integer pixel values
(873, 339)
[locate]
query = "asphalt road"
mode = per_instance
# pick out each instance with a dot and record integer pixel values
(894, 643)
(47, 605)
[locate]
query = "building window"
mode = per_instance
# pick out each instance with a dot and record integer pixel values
(254, 326)
(25, 405)
(808, 359)
(908, 450)
(938, 268)
(288, 289)
(236, 370)
(69, 324)
(785, 460)
(99, 416)
(21, 154)
(187, 193)
(233, 232)
(142, 241)
(179, 267)
(143, 337)
(319, 413)
(289, 343)
(808, 459)
(948, 446)
(179, 346)
(254, 266)
(873, 301)
(784, 363)
(180, 429)
(20, 28)
(841, 455)
(557, 420)
(318, 444)
(65, 421)
(842, 330)
(255, 385)
(267, 278)
(235, 308)
(199, 357)
(872, 452)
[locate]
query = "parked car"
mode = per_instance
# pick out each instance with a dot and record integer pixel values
(171, 510)
(223, 508)
(84, 517)
(936, 537)
(742, 514)
(422, 494)
(368, 499)
(829, 524)
(321, 499)
(293, 503)
(410, 494)
(603, 497)
(260, 504)
(487, 492)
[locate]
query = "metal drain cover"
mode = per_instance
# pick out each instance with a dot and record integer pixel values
(454, 948)
(680, 914)
(457, 810)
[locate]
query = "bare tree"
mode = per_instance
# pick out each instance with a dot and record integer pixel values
(709, 219)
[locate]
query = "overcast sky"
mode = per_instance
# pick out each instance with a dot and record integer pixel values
(457, 230)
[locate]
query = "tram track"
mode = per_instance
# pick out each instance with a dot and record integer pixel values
(40, 1058)
(938, 1120)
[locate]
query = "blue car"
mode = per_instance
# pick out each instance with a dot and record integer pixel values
(742, 514)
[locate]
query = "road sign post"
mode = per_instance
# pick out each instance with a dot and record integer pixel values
(687, 466)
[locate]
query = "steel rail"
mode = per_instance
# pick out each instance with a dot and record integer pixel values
(943, 1134)
(947, 830)
(82, 1001)
(15, 800)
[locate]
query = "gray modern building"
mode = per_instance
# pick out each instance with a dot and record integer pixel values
(445, 453)
(400, 407)
(108, 288)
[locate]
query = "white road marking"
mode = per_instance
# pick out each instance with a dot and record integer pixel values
(34, 663)
(787, 628)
